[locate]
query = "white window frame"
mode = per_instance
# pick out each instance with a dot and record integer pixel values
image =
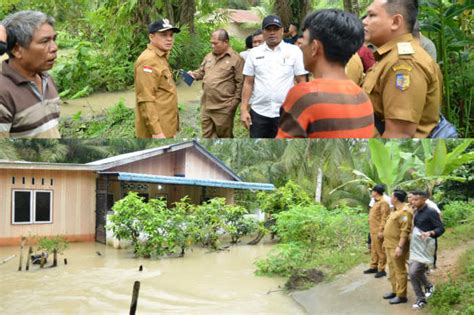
(33, 206)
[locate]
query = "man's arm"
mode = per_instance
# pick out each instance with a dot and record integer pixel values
(6, 120)
(238, 80)
(384, 213)
(395, 128)
(245, 107)
(199, 73)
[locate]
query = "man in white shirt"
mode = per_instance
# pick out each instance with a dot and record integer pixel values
(270, 72)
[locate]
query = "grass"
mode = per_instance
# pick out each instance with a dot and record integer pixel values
(456, 296)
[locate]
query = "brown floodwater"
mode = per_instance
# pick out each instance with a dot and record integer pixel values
(202, 282)
(97, 102)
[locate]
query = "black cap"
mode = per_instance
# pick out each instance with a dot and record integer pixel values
(271, 20)
(162, 26)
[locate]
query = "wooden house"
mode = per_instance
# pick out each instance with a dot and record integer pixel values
(72, 200)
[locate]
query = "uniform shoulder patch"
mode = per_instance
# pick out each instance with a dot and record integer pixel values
(402, 81)
(405, 48)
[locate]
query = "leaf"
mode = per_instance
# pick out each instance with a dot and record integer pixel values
(436, 164)
(458, 9)
(382, 161)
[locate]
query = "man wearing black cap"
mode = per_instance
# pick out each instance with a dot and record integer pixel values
(270, 71)
(157, 100)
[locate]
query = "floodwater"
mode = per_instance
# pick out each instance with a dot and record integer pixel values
(96, 103)
(202, 282)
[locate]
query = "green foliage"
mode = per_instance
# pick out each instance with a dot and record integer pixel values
(56, 244)
(450, 25)
(307, 232)
(457, 213)
(116, 122)
(156, 230)
(457, 295)
(283, 198)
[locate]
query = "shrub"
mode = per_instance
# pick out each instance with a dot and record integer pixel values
(283, 198)
(458, 212)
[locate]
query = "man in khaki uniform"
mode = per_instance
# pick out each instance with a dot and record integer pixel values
(221, 72)
(355, 69)
(405, 85)
(157, 101)
(377, 216)
(396, 232)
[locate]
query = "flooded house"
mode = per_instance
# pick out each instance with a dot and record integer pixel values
(72, 200)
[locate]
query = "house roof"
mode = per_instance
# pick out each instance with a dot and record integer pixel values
(127, 158)
(44, 166)
(145, 178)
(243, 16)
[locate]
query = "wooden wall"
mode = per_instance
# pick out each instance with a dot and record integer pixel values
(199, 166)
(73, 211)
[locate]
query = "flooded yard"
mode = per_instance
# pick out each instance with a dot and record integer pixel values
(99, 279)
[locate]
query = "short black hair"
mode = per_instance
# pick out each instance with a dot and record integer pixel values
(407, 8)
(379, 188)
(341, 33)
(421, 193)
(258, 32)
(222, 35)
(401, 195)
(248, 42)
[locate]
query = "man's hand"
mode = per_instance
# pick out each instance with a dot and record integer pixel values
(398, 251)
(3, 34)
(245, 118)
(380, 236)
(425, 235)
(159, 136)
(192, 74)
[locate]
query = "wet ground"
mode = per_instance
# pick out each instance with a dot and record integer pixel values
(200, 283)
(189, 97)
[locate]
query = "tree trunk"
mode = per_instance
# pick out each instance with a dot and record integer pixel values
(187, 10)
(356, 7)
(282, 8)
(348, 6)
(319, 186)
(305, 7)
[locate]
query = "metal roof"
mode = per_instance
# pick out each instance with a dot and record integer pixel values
(145, 178)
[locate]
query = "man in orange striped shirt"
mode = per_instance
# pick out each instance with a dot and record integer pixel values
(330, 106)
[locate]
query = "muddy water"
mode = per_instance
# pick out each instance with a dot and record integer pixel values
(199, 283)
(96, 103)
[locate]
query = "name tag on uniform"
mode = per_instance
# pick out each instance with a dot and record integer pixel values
(260, 57)
(405, 48)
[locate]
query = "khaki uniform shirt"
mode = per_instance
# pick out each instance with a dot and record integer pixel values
(398, 226)
(157, 100)
(378, 215)
(405, 84)
(222, 80)
(355, 70)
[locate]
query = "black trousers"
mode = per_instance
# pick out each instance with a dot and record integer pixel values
(263, 127)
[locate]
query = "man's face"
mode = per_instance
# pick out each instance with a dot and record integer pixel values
(308, 52)
(377, 24)
(299, 42)
(410, 199)
(257, 40)
(418, 201)
(273, 35)
(41, 53)
(375, 194)
(293, 29)
(163, 40)
(218, 46)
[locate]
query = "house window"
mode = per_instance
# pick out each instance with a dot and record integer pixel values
(32, 206)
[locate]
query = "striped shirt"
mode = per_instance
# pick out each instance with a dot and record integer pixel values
(326, 108)
(25, 112)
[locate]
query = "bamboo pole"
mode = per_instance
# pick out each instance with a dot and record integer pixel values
(23, 239)
(28, 258)
(136, 290)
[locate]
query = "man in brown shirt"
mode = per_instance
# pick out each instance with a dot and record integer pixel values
(405, 85)
(157, 100)
(377, 216)
(396, 232)
(221, 72)
(29, 101)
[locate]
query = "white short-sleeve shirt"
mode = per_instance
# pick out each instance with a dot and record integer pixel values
(274, 73)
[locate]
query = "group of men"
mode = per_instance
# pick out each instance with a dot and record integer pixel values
(404, 229)
(400, 95)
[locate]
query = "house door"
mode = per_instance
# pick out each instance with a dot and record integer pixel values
(101, 210)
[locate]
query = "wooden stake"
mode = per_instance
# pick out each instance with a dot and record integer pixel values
(28, 258)
(7, 259)
(21, 252)
(55, 258)
(42, 261)
(140, 268)
(136, 290)
(65, 261)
